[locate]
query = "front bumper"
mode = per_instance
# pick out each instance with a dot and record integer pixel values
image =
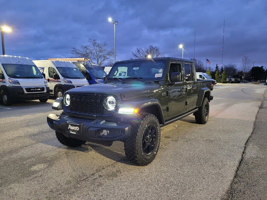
(19, 93)
(88, 129)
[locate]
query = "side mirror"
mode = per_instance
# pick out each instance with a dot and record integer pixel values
(176, 77)
(56, 76)
(2, 76)
(187, 77)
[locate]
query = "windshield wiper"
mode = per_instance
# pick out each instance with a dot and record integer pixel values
(139, 78)
(119, 79)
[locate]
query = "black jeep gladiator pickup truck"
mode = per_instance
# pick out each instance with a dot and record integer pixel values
(138, 97)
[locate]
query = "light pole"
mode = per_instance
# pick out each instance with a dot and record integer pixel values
(7, 30)
(115, 23)
(181, 46)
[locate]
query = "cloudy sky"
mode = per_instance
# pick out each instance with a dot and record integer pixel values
(51, 28)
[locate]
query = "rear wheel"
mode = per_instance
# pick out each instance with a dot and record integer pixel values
(143, 144)
(70, 142)
(202, 115)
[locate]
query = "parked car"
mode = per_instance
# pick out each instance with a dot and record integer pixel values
(138, 97)
(93, 73)
(233, 79)
(61, 76)
(205, 77)
(20, 79)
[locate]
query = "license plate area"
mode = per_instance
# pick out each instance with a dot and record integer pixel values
(74, 128)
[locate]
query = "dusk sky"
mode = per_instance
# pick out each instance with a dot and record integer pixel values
(50, 28)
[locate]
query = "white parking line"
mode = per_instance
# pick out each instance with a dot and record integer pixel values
(4, 107)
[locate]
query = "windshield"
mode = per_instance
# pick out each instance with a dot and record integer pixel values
(146, 69)
(207, 76)
(70, 72)
(22, 71)
(97, 72)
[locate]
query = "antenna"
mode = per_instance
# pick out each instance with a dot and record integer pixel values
(195, 45)
(223, 40)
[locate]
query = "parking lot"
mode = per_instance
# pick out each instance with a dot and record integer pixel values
(194, 161)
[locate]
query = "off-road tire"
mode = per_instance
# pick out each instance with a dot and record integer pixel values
(143, 144)
(70, 142)
(202, 115)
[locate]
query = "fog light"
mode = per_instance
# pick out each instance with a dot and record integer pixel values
(104, 132)
(128, 111)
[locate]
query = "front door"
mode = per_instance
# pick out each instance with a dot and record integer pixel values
(52, 81)
(176, 93)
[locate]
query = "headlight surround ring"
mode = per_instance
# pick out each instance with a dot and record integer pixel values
(110, 103)
(66, 100)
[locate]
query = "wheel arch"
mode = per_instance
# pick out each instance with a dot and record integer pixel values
(153, 108)
(204, 93)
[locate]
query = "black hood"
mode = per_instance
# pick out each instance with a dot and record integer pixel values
(126, 89)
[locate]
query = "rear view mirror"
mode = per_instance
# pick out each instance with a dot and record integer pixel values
(176, 77)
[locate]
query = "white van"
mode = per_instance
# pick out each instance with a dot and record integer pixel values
(21, 79)
(61, 76)
(205, 76)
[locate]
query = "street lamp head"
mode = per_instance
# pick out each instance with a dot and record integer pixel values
(6, 29)
(181, 46)
(110, 20)
(149, 56)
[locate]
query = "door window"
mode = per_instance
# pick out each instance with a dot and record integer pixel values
(174, 67)
(189, 75)
(51, 72)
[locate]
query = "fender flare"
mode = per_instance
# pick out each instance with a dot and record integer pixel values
(150, 106)
(204, 92)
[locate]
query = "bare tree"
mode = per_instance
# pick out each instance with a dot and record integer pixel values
(231, 70)
(142, 53)
(95, 51)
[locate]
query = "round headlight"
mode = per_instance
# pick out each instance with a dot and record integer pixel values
(110, 103)
(67, 100)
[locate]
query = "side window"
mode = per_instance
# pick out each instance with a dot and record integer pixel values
(51, 72)
(174, 67)
(189, 75)
(1, 74)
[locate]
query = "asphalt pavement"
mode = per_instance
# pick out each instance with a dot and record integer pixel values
(250, 181)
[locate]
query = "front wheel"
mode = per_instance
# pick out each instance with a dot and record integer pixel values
(59, 93)
(143, 144)
(70, 142)
(5, 98)
(202, 115)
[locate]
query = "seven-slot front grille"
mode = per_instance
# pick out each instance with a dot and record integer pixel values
(86, 103)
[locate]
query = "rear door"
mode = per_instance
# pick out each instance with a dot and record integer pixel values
(191, 86)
